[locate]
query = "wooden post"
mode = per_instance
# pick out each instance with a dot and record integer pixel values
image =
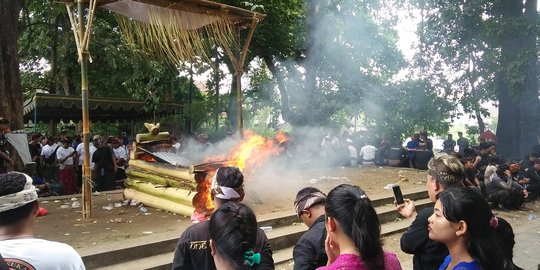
(87, 177)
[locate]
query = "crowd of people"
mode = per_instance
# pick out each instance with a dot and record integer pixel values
(458, 232)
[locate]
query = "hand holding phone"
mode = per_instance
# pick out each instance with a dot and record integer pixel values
(397, 194)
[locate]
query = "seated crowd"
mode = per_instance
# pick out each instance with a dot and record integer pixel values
(459, 232)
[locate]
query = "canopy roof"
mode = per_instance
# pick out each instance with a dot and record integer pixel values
(55, 107)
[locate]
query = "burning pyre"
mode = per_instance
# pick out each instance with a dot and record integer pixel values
(184, 190)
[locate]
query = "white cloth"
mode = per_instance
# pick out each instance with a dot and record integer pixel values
(32, 253)
(176, 148)
(222, 192)
(490, 170)
(368, 152)
(120, 152)
(47, 150)
(20, 143)
(16, 200)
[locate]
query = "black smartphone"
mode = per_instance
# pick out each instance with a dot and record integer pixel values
(397, 194)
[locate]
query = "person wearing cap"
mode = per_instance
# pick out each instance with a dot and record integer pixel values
(309, 253)
(104, 165)
(65, 157)
(20, 250)
(533, 174)
(193, 248)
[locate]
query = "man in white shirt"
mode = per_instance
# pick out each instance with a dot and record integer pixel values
(367, 152)
(48, 155)
(80, 157)
(121, 160)
(18, 247)
(65, 156)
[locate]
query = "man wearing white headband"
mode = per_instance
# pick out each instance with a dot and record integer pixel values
(18, 247)
(193, 249)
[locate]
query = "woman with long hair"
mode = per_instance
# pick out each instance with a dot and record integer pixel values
(353, 232)
(463, 221)
(233, 234)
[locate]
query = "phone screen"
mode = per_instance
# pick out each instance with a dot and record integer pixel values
(398, 195)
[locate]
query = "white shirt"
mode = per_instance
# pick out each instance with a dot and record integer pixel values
(32, 253)
(368, 152)
(352, 151)
(65, 152)
(80, 150)
(47, 150)
(119, 153)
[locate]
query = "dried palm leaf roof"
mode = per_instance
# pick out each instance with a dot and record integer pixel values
(180, 30)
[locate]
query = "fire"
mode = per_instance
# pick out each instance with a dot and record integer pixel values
(250, 154)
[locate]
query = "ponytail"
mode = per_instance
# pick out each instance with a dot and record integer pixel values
(233, 230)
(362, 226)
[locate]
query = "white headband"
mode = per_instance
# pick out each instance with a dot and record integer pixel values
(222, 192)
(16, 200)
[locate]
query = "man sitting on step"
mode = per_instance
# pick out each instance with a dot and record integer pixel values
(18, 247)
(193, 248)
(443, 172)
(309, 252)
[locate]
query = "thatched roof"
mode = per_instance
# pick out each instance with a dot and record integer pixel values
(55, 107)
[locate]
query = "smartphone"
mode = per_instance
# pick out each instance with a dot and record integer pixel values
(397, 194)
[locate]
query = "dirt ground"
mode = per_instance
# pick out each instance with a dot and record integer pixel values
(267, 191)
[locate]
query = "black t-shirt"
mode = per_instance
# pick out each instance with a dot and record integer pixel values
(309, 252)
(428, 254)
(102, 157)
(35, 150)
(193, 250)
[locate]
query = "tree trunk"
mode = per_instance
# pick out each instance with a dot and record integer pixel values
(286, 112)
(11, 102)
(54, 55)
(216, 94)
(529, 103)
(508, 127)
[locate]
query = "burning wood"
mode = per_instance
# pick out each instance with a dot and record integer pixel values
(186, 190)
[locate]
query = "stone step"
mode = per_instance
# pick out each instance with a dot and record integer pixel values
(286, 230)
(283, 237)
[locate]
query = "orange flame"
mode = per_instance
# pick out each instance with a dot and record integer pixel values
(250, 154)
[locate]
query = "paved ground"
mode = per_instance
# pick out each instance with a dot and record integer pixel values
(527, 248)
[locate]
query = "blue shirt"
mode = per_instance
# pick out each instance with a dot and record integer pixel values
(460, 266)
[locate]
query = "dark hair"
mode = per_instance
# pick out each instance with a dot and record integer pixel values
(357, 218)
(500, 171)
(447, 170)
(465, 204)
(233, 230)
(506, 237)
(230, 177)
(13, 182)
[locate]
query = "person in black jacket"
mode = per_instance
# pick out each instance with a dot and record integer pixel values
(309, 252)
(443, 172)
(193, 248)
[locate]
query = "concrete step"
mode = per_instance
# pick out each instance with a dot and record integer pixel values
(157, 252)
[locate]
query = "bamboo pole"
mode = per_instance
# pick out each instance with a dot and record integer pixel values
(177, 195)
(160, 180)
(87, 177)
(169, 171)
(159, 203)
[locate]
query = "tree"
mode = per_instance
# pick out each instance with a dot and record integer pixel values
(480, 50)
(10, 84)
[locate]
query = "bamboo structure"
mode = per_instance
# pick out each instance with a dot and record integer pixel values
(181, 35)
